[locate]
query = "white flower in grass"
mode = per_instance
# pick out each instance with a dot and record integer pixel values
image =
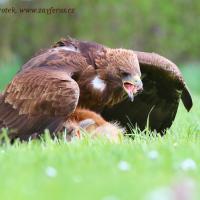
(2, 151)
(51, 171)
(124, 166)
(188, 164)
(163, 193)
(175, 144)
(153, 155)
(183, 189)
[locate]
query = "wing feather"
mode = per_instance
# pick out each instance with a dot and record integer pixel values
(37, 98)
(43, 92)
(164, 86)
(161, 65)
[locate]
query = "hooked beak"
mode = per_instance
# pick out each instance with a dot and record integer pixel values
(132, 85)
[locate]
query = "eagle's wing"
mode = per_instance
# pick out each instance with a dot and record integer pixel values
(36, 99)
(163, 88)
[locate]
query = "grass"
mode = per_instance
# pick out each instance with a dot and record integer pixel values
(147, 167)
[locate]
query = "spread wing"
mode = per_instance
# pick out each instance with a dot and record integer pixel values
(163, 88)
(36, 99)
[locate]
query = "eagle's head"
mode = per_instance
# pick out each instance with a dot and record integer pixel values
(120, 69)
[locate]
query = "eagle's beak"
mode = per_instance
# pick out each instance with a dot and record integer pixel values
(132, 85)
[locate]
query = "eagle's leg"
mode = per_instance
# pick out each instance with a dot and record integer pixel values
(89, 122)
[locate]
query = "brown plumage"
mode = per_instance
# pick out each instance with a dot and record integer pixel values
(47, 90)
(55, 83)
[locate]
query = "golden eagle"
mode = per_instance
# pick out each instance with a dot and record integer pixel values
(77, 80)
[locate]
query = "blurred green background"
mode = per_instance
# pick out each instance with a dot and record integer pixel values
(170, 28)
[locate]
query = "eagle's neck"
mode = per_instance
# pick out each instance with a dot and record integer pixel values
(96, 93)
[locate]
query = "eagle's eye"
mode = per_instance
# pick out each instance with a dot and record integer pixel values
(124, 74)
